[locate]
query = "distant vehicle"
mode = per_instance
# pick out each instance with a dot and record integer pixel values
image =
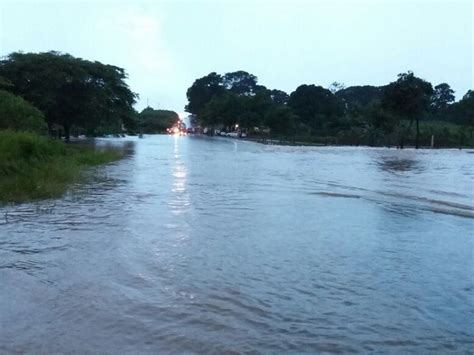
(222, 133)
(233, 134)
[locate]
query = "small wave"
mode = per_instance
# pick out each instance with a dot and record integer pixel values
(452, 212)
(335, 194)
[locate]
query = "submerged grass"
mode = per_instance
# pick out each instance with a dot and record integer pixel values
(34, 167)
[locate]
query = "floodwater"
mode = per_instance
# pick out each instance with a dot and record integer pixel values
(202, 245)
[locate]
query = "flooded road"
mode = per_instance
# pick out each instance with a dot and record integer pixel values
(216, 245)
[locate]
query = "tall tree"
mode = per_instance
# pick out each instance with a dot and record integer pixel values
(463, 111)
(156, 121)
(222, 110)
(202, 91)
(70, 91)
(409, 96)
(442, 97)
(279, 97)
(315, 105)
(281, 120)
(336, 86)
(240, 83)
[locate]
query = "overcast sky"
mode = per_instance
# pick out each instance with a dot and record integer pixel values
(164, 46)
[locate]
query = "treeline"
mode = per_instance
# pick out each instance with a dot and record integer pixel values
(156, 121)
(69, 93)
(408, 110)
(63, 95)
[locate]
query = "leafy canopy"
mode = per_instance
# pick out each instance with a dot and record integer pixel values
(408, 96)
(156, 121)
(70, 91)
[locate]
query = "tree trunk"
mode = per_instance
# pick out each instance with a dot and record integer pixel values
(50, 127)
(417, 141)
(67, 133)
(401, 133)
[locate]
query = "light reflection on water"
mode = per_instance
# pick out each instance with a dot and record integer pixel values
(198, 245)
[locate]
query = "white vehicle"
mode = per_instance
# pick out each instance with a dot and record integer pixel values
(233, 134)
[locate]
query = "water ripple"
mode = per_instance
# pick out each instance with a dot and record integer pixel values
(218, 246)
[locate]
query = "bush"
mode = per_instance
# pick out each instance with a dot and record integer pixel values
(20, 150)
(19, 115)
(34, 167)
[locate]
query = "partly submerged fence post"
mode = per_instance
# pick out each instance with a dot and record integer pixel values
(432, 141)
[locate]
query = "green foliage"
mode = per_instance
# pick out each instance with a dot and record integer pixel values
(281, 120)
(409, 96)
(228, 109)
(5, 84)
(156, 121)
(385, 121)
(315, 105)
(445, 134)
(232, 91)
(240, 83)
(17, 114)
(368, 115)
(131, 122)
(222, 110)
(70, 91)
(87, 156)
(463, 111)
(442, 97)
(279, 97)
(19, 147)
(336, 86)
(358, 98)
(35, 167)
(202, 91)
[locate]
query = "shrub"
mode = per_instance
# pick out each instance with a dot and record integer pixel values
(19, 115)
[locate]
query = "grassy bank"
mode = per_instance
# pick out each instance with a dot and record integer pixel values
(34, 167)
(445, 134)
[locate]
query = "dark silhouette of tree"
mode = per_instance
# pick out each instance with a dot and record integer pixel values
(373, 115)
(279, 97)
(240, 83)
(70, 91)
(442, 97)
(358, 99)
(222, 110)
(463, 111)
(315, 105)
(156, 121)
(409, 97)
(202, 91)
(281, 120)
(336, 86)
